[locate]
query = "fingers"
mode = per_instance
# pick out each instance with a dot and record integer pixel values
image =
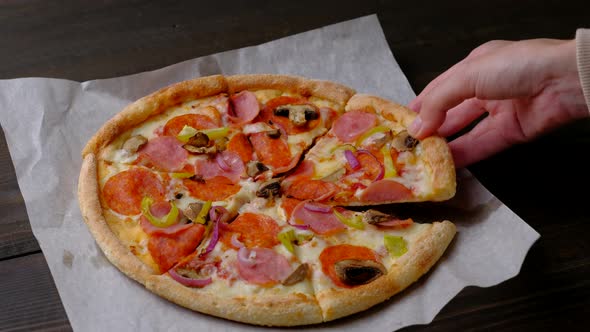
(461, 116)
(492, 135)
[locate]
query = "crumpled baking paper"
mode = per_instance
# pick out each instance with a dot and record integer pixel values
(48, 121)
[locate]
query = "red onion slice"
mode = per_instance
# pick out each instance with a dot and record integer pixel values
(189, 282)
(222, 163)
(352, 161)
(216, 214)
(382, 169)
(301, 227)
(244, 257)
(315, 207)
(235, 242)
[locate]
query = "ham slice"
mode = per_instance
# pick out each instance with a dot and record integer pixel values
(383, 191)
(164, 153)
(319, 222)
(227, 164)
(245, 107)
(262, 266)
(352, 124)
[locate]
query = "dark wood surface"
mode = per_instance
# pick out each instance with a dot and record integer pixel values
(545, 182)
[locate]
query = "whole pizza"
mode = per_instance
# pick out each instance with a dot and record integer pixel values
(233, 196)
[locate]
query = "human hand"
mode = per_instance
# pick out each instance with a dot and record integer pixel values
(526, 87)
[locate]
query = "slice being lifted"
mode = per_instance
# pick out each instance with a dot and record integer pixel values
(222, 193)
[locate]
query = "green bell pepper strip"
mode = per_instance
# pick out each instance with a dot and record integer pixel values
(287, 238)
(354, 222)
(371, 132)
(201, 217)
(181, 175)
(167, 220)
(187, 132)
(390, 171)
(396, 245)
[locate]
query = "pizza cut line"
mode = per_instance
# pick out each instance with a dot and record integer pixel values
(229, 196)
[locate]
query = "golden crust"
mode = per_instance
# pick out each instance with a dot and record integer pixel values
(388, 109)
(422, 254)
(334, 92)
(262, 308)
(155, 103)
(117, 253)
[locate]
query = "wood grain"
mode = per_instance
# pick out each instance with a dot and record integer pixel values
(544, 182)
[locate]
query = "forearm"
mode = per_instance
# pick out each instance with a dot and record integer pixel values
(583, 59)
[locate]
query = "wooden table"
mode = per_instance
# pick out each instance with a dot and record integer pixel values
(545, 182)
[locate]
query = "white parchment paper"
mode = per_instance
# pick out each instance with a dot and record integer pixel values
(48, 121)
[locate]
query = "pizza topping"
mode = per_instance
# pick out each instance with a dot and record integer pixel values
(240, 144)
(334, 176)
(245, 107)
(370, 165)
(164, 153)
(350, 273)
(189, 282)
(375, 217)
(287, 238)
(132, 144)
(353, 220)
(181, 175)
(319, 222)
(255, 230)
(352, 124)
(317, 190)
(375, 138)
(150, 229)
(124, 191)
(356, 272)
(396, 245)
(396, 223)
(197, 212)
(214, 189)
(199, 140)
(386, 191)
(269, 189)
(271, 152)
(297, 114)
(254, 168)
(262, 266)
(169, 249)
(404, 142)
(235, 241)
(176, 126)
(215, 215)
(313, 207)
(388, 165)
(188, 132)
(301, 273)
(227, 164)
(352, 161)
(165, 221)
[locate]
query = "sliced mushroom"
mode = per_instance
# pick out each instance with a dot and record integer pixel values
(254, 168)
(300, 274)
(199, 140)
(298, 114)
(355, 272)
(192, 211)
(221, 144)
(375, 217)
(269, 189)
(377, 140)
(133, 143)
(275, 133)
(201, 150)
(404, 142)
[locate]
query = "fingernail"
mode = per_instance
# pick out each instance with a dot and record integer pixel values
(415, 127)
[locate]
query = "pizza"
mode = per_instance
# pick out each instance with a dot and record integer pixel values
(233, 196)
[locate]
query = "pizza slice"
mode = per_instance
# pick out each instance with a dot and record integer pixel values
(368, 158)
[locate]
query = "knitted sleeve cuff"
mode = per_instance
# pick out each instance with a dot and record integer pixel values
(583, 58)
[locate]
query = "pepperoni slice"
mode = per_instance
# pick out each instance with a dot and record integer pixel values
(168, 249)
(124, 191)
(319, 222)
(331, 255)
(255, 230)
(316, 190)
(262, 266)
(163, 153)
(352, 124)
(386, 191)
(288, 205)
(272, 152)
(240, 144)
(267, 115)
(197, 121)
(215, 189)
(370, 165)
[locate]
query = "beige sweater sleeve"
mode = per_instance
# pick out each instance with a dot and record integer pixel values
(583, 58)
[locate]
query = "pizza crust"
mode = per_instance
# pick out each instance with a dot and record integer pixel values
(155, 103)
(114, 250)
(262, 308)
(334, 92)
(423, 253)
